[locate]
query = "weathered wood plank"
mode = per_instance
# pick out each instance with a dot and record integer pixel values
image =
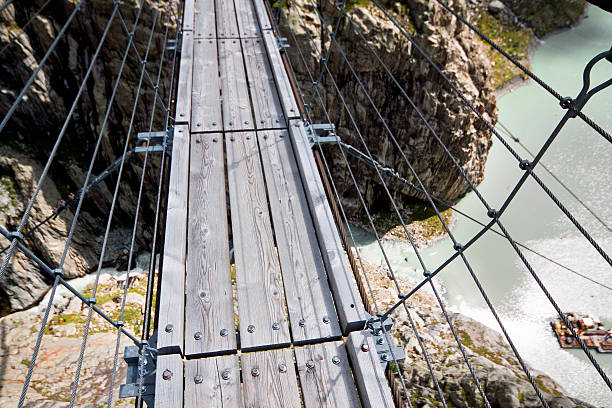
(369, 373)
(205, 101)
(262, 15)
(341, 279)
(227, 25)
(237, 113)
(266, 103)
(213, 382)
(183, 98)
(269, 380)
(172, 292)
(280, 76)
(258, 277)
(169, 391)
(309, 301)
(205, 26)
(325, 376)
(247, 19)
(188, 15)
(209, 316)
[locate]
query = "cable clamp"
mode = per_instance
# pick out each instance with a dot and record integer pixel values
(58, 272)
(15, 235)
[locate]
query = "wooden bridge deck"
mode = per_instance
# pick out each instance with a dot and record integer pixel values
(256, 291)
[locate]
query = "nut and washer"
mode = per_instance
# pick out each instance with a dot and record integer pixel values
(225, 375)
(223, 332)
(198, 379)
(335, 360)
(365, 347)
(309, 364)
(384, 357)
(251, 328)
(302, 322)
(255, 372)
(325, 319)
(197, 335)
(275, 326)
(380, 341)
(282, 368)
(167, 374)
(169, 328)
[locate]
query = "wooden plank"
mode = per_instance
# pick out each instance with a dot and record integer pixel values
(259, 284)
(309, 301)
(262, 15)
(266, 103)
(172, 292)
(205, 26)
(248, 27)
(209, 316)
(183, 99)
(341, 279)
(235, 95)
(269, 379)
(325, 376)
(213, 382)
(227, 25)
(280, 76)
(169, 390)
(188, 15)
(369, 373)
(206, 98)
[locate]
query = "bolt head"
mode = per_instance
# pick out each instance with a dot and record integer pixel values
(282, 368)
(336, 360)
(384, 357)
(380, 341)
(198, 379)
(457, 246)
(251, 328)
(223, 332)
(310, 364)
(255, 372)
(143, 389)
(167, 374)
(365, 347)
(302, 322)
(225, 375)
(492, 213)
(197, 335)
(325, 319)
(275, 326)
(169, 328)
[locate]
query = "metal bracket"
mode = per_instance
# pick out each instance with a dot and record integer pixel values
(322, 133)
(153, 142)
(283, 44)
(141, 365)
(174, 45)
(382, 333)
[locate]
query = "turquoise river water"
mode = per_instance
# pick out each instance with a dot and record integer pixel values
(582, 159)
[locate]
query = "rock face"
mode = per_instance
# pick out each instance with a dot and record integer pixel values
(545, 16)
(27, 139)
(455, 51)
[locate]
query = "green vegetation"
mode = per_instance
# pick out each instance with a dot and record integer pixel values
(7, 186)
(26, 362)
(466, 340)
(513, 38)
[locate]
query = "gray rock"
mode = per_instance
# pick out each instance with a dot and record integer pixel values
(496, 6)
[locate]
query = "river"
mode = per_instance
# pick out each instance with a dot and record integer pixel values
(582, 159)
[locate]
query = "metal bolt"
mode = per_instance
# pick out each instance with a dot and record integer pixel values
(255, 372)
(143, 390)
(282, 368)
(384, 357)
(215, 140)
(197, 335)
(275, 326)
(198, 124)
(325, 319)
(225, 375)
(302, 323)
(380, 341)
(223, 332)
(169, 328)
(167, 374)
(365, 347)
(309, 364)
(246, 122)
(198, 379)
(335, 360)
(251, 328)
(214, 123)
(230, 123)
(232, 138)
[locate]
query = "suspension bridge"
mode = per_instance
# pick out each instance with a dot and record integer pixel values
(261, 301)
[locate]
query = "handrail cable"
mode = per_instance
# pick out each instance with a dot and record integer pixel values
(426, 273)
(13, 35)
(76, 215)
(528, 167)
(377, 309)
(525, 70)
(110, 217)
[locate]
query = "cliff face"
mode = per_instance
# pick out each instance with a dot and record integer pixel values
(456, 52)
(26, 141)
